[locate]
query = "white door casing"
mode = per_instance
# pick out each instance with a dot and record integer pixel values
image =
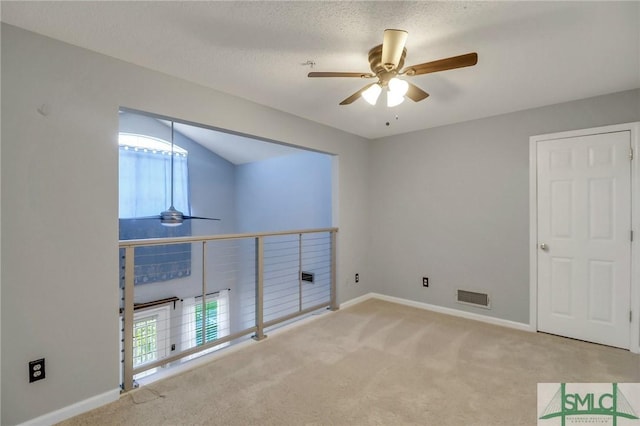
(581, 222)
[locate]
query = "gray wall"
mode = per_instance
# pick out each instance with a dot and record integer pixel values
(452, 203)
(59, 293)
(289, 192)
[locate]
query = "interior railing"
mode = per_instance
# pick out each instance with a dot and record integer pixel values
(187, 296)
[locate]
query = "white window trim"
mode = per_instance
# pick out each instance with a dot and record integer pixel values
(148, 143)
(163, 337)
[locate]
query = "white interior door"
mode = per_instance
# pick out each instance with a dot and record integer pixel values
(584, 237)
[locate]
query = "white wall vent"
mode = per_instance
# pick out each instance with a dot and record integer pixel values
(480, 300)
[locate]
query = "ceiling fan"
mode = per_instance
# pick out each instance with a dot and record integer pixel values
(173, 216)
(386, 61)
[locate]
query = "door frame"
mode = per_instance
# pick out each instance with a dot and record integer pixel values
(634, 129)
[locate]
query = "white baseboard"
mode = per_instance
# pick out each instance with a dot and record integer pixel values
(441, 310)
(357, 300)
(74, 409)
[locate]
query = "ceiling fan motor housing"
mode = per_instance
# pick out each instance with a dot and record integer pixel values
(382, 71)
(171, 217)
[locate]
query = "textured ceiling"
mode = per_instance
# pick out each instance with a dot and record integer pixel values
(530, 53)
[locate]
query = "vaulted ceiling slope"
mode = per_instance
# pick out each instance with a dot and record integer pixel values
(530, 53)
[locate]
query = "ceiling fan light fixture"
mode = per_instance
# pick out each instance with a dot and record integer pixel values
(398, 87)
(394, 99)
(170, 224)
(372, 93)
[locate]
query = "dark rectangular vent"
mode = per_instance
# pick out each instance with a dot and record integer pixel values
(307, 276)
(472, 298)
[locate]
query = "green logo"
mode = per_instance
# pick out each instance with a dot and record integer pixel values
(613, 404)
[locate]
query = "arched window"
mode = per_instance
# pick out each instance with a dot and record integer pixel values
(145, 176)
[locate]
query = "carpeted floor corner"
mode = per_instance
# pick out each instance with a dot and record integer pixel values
(375, 363)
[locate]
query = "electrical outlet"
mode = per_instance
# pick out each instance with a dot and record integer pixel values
(36, 370)
(425, 282)
(357, 279)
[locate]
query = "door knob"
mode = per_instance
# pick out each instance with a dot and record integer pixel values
(544, 247)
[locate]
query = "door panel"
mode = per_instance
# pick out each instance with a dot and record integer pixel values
(561, 213)
(601, 289)
(584, 222)
(561, 285)
(601, 207)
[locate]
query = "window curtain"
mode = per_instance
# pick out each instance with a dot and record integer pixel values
(145, 183)
(188, 323)
(223, 313)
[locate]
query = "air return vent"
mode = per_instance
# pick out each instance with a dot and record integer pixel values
(480, 300)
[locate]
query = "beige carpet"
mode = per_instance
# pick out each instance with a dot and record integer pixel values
(374, 363)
